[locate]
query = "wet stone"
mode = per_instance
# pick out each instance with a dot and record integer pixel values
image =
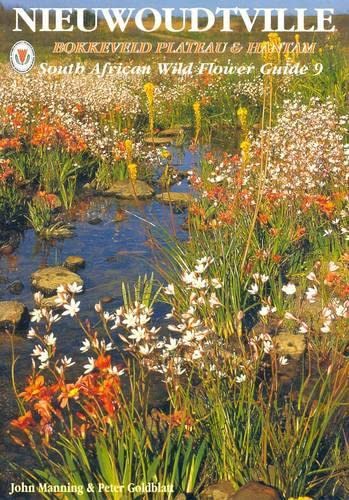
(106, 299)
(290, 344)
(179, 199)
(125, 190)
(74, 262)
(256, 491)
(171, 132)
(158, 140)
(13, 315)
(94, 221)
(48, 279)
(50, 303)
(222, 490)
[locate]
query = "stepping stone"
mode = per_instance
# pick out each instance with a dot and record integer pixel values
(158, 140)
(125, 191)
(181, 199)
(48, 279)
(13, 315)
(289, 344)
(74, 262)
(170, 132)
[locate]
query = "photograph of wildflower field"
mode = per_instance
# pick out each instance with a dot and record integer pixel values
(174, 274)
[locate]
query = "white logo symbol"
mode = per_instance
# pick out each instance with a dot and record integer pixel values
(22, 57)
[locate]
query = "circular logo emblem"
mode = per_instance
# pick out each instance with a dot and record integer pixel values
(22, 57)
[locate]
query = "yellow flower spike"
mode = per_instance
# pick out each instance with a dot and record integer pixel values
(242, 116)
(197, 116)
(271, 49)
(245, 150)
(297, 37)
(149, 91)
(132, 172)
(129, 149)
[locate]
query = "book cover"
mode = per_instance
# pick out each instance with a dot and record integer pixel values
(174, 261)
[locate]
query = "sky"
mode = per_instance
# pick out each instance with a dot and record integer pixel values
(338, 5)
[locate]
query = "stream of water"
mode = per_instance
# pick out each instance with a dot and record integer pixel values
(114, 252)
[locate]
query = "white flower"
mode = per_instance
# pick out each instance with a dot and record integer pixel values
(325, 328)
(267, 346)
(74, 288)
(61, 299)
(265, 310)
(38, 296)
(240, 378)
(264, 278)
(172, 344)
(196, 354)
(213, 300)
(341, 310)
(107, 316)
(303, 328)
(71, 309)
(61, 289)
(145, 350)
(67, 362)
(117, 323)
(130, 320)
(50, 339)
(138, 334)
(289, 315)
(53, 318)
(311, 276)
(253, 290)
(283, 360)
(98, 307)
(115, 371)
(200, 268)
(216, 283)
(85, 345)
(36, 315)
(31, 334)
(169, 290)
(44, 356)
(143, 319)
(289, 289)
(332, 267)
(89, 367)
(107, 347)
(37, 350)
(188, 277)
(311, 294)
(199, 283)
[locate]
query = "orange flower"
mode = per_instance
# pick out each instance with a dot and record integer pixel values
(273, 231)
(34, 388)
(69, 391)
(263, 218)
(10, 143)
(331, 278)
(276, 258)
(103, 362)
(24, 421)
(300, 232)
(45, 410)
